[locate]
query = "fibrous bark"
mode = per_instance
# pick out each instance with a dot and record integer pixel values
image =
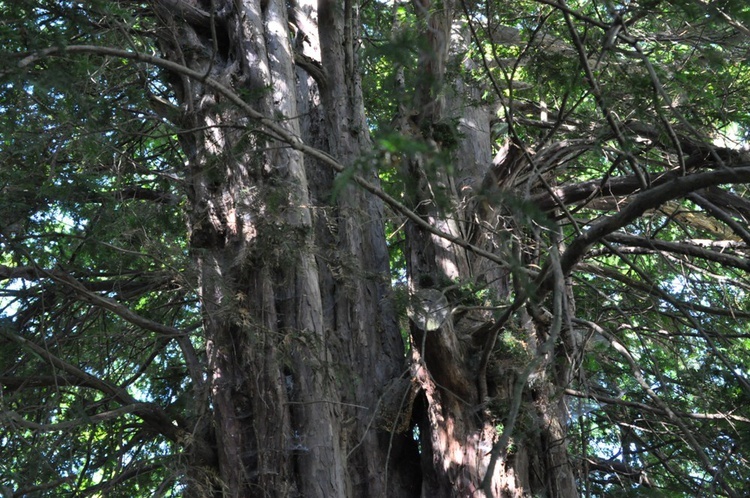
(300, 336)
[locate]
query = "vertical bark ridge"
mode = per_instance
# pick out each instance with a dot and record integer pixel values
(365, 323)
(300, 337)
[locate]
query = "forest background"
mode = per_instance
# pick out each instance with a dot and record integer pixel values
(368, 248)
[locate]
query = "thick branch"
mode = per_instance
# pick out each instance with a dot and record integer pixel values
(313, 68)
(650, 199)
(625, 185)
(614, 187)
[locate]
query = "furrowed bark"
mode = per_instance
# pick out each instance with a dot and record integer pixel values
(300, 336)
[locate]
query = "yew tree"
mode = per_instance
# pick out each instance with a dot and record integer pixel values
(374, 248)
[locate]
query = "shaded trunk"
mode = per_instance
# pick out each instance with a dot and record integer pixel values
(464, 406)
(300, 337)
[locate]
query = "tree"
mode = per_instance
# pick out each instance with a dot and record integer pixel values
(263, 248)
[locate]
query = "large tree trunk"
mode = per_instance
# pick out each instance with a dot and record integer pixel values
(468, 381)
(300, 337)
(306, 391)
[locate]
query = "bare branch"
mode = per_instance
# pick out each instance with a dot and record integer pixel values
(650, 199)
(652, 409)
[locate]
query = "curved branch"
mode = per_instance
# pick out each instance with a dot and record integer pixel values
(650, 199)
(614, 187)
(313, 68)
(272, 129)
(684, 248)
(150, 413)
(625, 185)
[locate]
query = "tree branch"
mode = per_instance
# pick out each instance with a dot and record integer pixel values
(648, 408)
(122, 311)
(15, 418)
(652, 289)
(650, 199)
(641, 380)
(150, 413)
(17, 383)
(714, 210)
(621, 469)
(272, 129)
(686, 248)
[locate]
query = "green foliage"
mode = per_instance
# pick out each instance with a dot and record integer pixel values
(93, 203)
(88, 190)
